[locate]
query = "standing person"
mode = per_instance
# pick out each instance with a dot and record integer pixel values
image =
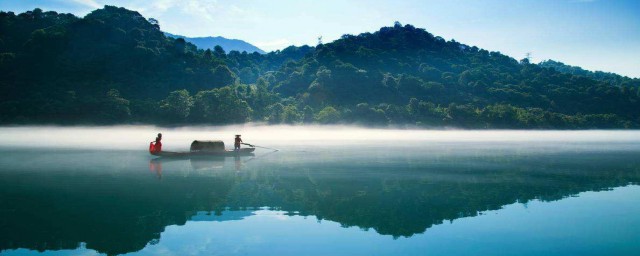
(236, 145)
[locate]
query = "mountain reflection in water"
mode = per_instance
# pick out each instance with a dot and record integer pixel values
(120, 201)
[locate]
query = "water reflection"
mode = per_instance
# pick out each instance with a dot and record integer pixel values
(104, 201)
(203, 163)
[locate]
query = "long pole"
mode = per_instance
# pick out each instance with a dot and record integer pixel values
(254, 146)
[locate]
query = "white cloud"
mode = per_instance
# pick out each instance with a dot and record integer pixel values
(162, 5)
(88, 3)
(197, 17)
(204, 9)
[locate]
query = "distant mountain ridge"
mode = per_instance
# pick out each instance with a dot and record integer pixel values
(227, 44)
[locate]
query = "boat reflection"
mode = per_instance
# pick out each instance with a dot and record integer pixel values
(204, 163)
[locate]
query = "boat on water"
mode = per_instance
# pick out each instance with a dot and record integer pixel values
(203, 148)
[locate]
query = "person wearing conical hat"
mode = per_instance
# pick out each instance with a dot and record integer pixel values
(236, 144)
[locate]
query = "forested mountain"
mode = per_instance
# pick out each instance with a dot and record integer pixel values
(405, 74)
(115, 66)
(211, 42)
(613, 79)
(112, 66)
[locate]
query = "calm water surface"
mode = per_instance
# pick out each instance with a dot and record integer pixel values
(421, 193)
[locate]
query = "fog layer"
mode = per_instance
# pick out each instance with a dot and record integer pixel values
(138, 137)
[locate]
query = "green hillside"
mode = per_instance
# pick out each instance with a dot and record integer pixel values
(115, 66)
(613, 79)
(410, 75)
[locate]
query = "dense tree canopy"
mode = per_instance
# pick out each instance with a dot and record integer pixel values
(421, 78)
(611, 78)
(115, 66)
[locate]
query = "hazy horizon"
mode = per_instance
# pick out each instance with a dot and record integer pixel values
(137, 137)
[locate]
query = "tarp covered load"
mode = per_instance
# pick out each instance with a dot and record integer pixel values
(207, 145)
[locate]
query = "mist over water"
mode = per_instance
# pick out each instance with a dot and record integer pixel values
(410, 192)
(179, 138)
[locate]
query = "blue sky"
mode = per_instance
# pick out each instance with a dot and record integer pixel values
(594, 34)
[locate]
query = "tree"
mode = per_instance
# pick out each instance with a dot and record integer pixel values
(368, 115)
(328, 115)
(114, 108)
(222, 76)
(276, 113)
(411, 85)
(155, 23)
(45, 55)
(220, 106)
(291, 115)
(179, 45)
(218, 51)
(176, 107)
(307, 115)
(500, 115)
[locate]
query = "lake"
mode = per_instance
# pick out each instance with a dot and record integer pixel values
(326, 191)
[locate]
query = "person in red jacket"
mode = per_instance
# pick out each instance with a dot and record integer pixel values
(157, 147)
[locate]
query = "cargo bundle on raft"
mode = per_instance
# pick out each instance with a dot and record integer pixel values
(203, 148)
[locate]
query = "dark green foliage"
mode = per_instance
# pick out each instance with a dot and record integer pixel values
(328, 115)
(453, 85)
(177, 106)
(611, 78)
(222, 76)
(364, 114)
(220, 106)
(115, 66)
(250, 66)
(57, 68)
(115, 108)
(291, 115)
(276, 113)
(307, 115)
